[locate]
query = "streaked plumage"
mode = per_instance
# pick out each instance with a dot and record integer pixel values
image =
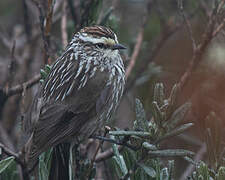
(80, 93)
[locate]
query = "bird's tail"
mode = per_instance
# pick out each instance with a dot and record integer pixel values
(60, 162)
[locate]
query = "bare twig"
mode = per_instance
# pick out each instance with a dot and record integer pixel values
(19, 88)
(98, 148)
(47, 30)
(219, 28)
(188, 24)
(158, 45)
(45, 25)
(137, 48)
(207, 37)
(64, 25)
(26, 20)
(204, 7)
(11, 67)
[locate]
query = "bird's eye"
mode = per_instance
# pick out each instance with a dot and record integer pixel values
(100, 45)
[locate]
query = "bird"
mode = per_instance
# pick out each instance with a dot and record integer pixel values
(79, 95)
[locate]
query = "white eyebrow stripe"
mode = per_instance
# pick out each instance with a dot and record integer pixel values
(103, 40)
(92, 40)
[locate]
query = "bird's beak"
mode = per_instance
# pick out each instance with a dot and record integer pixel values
(118, 46)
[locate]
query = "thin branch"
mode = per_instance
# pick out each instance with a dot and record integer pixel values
(64, 25)
(99, 145)
(98, 148)
(11, 67)
(123, 143)
(188, 24)
(137, 48)
(20, 87)
(26, 20)
(219, 28)
(45, 26)
(47, 29)
(207, 37)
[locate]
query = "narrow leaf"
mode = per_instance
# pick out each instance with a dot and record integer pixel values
(43, 74)
(158, 115)
(141, 122)
(148, 170)
(173, 94)
(175, 132)
(47, 68)
(43, 170)
(178, 115)
(221, 174)
(159, 95)
(129, 133)
(171, 169)
(6, 163)
(119, 158)
(164, 175)
(203, 171)
(170, 153)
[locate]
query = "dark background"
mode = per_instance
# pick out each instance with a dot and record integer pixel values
(22, 54)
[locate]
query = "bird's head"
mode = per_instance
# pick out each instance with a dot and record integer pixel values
(100, 39)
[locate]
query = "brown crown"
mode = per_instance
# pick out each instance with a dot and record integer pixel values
(99, 31)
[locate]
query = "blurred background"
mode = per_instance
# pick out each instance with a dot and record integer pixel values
(153, 29)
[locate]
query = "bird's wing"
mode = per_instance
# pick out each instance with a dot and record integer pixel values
(63, 118)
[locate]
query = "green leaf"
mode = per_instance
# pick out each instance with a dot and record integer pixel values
(47, 158)
(119, 158)
(203, 171)
(43, 74)
(170, 153)
(175, 132)
(178, 115)
(171, 169)
(141, 122)
(149, 146)
(158, 115)
(129, 133)
(129, 156)
(164, 175)
(43, 170)
(214, 140)
(221, 174)
(6, 163)
(159, 95)
(148, 170)
(48, 68)
(173, 95)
